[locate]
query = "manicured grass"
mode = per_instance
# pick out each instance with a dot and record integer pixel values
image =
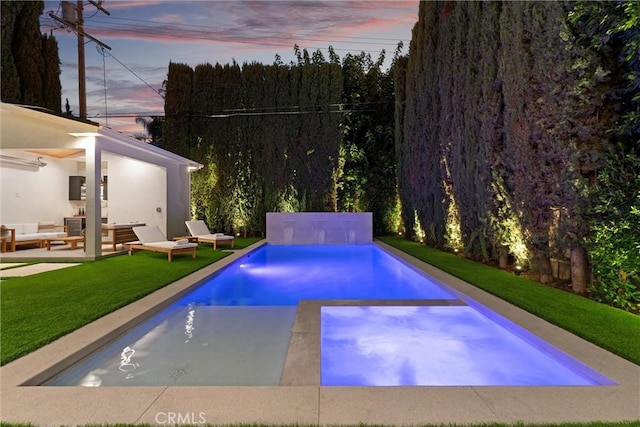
(36, 310)
(610, 328)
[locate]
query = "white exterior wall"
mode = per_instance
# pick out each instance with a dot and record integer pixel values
(178, 187)
(319, 228)
(36, 194)
(135, 190)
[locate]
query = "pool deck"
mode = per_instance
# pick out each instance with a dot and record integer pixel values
(300, 399)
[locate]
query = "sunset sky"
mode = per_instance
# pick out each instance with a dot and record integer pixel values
(145, 36)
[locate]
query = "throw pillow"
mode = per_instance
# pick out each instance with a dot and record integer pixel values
(46, 227)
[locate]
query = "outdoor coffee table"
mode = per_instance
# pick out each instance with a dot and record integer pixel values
(73, 240)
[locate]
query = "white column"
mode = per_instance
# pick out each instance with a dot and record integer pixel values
(93, 230)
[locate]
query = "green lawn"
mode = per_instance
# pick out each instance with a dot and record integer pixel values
(35, 310)
(615, 330)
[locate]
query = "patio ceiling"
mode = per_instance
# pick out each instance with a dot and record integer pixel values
(27, 128)
(42, 132)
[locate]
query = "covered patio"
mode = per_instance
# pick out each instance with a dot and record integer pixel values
(122, 181)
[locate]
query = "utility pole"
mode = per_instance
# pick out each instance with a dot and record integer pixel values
(82, 80)
(73, 17)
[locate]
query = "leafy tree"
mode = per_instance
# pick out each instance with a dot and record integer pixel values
(153, 125)
(368, 175)
(605, 40)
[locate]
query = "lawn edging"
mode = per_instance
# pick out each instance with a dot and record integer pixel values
(613, 329)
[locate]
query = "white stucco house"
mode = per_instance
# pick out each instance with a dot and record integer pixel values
(144, 183)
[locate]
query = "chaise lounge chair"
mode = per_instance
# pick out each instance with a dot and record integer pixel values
(200, 230)
(152, 239)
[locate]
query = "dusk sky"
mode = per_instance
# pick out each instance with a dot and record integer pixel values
(145, 36)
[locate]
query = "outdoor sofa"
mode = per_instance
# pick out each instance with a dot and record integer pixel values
(32, 233)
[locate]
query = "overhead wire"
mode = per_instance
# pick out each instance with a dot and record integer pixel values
(135, 74)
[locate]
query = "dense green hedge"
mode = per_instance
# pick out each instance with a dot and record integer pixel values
(521, 137)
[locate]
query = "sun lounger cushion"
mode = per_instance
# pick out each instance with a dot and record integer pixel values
(199, 229)
(152, 239)
(149, 234)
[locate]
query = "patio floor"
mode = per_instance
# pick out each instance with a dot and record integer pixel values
(58, 252)
(22, 400)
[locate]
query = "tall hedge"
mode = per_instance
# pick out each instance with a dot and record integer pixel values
(306, 136)
(519, 126)
(266, 134)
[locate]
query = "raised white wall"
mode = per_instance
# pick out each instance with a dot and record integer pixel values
(135, 190)
(178, 200)
(36, 194)
(319, 228)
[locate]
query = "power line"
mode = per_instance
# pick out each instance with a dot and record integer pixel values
(264, 111)
(134, 73)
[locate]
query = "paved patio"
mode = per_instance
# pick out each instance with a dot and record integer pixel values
(27, 270)
(22, 400)
(59, 252)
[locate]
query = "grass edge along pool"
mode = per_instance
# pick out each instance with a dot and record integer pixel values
(275, 275)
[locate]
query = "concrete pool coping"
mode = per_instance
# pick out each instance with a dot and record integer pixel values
(309, 404)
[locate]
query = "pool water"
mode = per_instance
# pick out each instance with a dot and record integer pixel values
(283, 275)
(426, 345)
(235, 328)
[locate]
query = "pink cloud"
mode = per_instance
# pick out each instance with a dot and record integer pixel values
(169, 18)
(265, 23)
(115, 5)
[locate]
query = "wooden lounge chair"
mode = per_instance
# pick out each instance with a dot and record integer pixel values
(200, 230)
(150, 238)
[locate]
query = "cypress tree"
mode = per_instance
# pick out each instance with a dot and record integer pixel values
(27, 52)
(10, 78)
(177, 108)
(400, 86)
(51, 78)
(422, 115)
(30, 62)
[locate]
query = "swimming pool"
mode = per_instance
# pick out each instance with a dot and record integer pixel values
(235, 328)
